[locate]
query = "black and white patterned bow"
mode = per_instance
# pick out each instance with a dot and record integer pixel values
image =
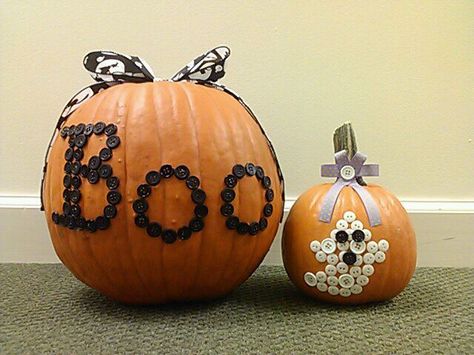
(110, 68)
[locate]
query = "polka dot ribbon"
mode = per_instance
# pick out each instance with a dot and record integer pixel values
(347, 172)
(110, 68)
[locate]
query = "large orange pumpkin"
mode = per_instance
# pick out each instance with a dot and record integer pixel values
(171, 191)
(345, 259)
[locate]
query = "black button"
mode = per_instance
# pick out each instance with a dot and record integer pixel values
(84, 170)
(153, 229)
(269, 195)
(68, 167)
(227, 210)
(259, 173)
(167, 171)
(66, 208)
(80, 140)
(181, 172)
(141, 220)
(110, 211)
(67, 195)
(243, 228)
(81, 223)
(349, 258)
(76, 168)
(113, 142)
(63, 134)
(79, 129)
(55, 218)
(76, 182)
(342, 236)
(94, 162)
(110, 129)
(91, 226)
(93, 176)
(140, 206)
(75, 210)
(78, 154)
(75, 196)
(67, 181)
(70, 222)
(62, 219)
(102, 222)
(196, 224)
(89, 129)
(114, 197)
(144, 190)
(105, 171)
(169, 236)
(230, 181)
(201, 211)
(69, 154)
(99, 127)
(239, 171)
(228, 195)
(263, 223)
(105, 154)
(70, 132)
(254, 228)
(113, 182)
(266, 182)
(232, 222)
(184, 233)
(72, 142)
(192, 182)
(198, 196)
(268, 210)
(358, 235)
(250, 169)
(152, 178)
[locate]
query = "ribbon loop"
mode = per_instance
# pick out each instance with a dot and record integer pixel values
(357, 167)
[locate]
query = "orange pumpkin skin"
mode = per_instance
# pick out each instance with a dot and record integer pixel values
(303, 226)
(160, 123)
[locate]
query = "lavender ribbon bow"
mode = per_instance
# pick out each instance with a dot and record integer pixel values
(346, 172)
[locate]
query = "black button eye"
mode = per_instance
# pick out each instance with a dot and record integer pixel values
(342, 236)
(349, 258)
(358, 235)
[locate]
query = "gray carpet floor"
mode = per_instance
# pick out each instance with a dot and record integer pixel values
(43, 308)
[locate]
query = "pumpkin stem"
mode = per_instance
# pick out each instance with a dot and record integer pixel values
(344, 138)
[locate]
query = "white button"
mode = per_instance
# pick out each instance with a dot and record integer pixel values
(357, 247)
(369, 258)
(383, 245)
(341, 254)
(380, 256)
(349, 216)
(333, 281)
(368, 235)
(321, 256)
(333, 290)
(330, 270)
(347, 172)
(354, 271)
(342, 224)
(345, 292)
(343, 246)
(362, 280)
(368, 270)
(333, 234)
(310, 279)
(346, 281)
(321, 286)
(372, 247)
(359, 260)
(342, 268)
(357, 225)
(321, 276)
(332, 259)
(328, 246)
(315, 246)
(356, 289)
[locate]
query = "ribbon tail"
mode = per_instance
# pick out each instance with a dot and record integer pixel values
(329, 202)
(369, 204)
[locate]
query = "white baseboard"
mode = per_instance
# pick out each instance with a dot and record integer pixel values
(443, 231)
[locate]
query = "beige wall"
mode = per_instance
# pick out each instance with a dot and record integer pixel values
(401, 71)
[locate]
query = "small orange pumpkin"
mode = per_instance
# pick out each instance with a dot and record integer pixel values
(161, 191)
(344, 259)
